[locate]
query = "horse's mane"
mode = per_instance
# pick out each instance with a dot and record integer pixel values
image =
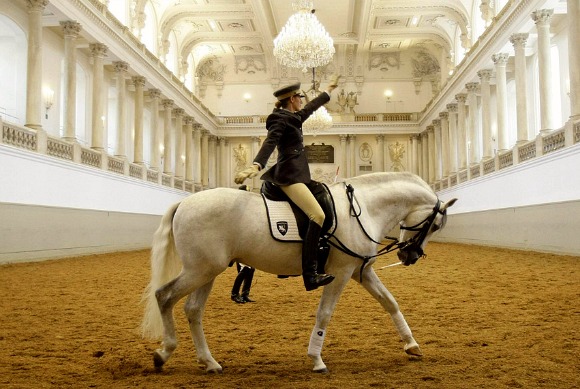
(388, 177)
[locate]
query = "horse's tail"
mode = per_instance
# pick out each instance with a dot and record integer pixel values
(165, 265)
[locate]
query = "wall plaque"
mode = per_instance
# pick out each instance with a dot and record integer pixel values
(320, 153)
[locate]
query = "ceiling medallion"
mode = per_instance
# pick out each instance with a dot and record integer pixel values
(303, 42)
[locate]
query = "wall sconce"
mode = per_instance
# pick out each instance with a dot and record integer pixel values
(247, 97)
(48, 97)
(388, 94)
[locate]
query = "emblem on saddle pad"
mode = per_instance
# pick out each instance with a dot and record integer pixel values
(282, 227)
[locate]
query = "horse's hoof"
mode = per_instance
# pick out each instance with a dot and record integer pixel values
(414, 351)
(214, 371)
(158, 361)
(321, 371)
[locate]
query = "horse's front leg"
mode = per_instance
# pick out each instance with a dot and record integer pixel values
(375, 287)
(330, 296)
(194, 308)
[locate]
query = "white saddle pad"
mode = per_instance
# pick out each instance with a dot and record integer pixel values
(282, 221)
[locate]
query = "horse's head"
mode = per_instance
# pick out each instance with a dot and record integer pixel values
(418, 227)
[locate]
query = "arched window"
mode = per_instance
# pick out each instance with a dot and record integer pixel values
(149, 32)
(13, 75)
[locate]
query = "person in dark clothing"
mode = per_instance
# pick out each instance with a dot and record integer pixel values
(291, 172)
(244, 277)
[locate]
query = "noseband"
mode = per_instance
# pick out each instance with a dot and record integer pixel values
(416, 241)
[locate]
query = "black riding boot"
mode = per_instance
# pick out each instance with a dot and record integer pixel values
(236, 289)
(312, 279)
(249, 276)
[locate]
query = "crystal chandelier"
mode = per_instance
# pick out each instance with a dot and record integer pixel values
(320, 120)
(303, 42)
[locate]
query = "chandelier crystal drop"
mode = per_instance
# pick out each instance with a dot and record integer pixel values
(303, 42)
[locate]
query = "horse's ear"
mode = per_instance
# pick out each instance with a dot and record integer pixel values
(448, 204)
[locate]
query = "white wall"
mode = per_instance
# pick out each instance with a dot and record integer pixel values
(534, 206)
(54, 208)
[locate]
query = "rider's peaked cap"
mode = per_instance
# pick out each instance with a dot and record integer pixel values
(287, 91)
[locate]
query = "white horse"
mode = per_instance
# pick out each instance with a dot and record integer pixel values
(201, 235)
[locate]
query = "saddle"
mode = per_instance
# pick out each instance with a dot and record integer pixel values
(288, 223)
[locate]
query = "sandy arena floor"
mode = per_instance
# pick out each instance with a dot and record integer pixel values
(484, 318)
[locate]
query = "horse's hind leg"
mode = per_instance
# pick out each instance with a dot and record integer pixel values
(194, 308)
(167, 296)
(375, 287)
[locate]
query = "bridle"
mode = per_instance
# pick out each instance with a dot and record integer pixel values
(415, 242)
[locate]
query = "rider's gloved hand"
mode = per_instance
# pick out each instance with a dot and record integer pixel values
(249, 172)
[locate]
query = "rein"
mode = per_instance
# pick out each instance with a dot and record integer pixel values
(422, 227)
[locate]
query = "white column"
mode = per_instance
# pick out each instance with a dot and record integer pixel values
(156, 135)
(34, 65)
(452, 108)
(500, 61)
(414, 154)
(167, 106)
(179, 149)
(484, 76)
(444, 118)
(98, 52)
(461, 131)
(223, 162)
(437, 148)
(425, 154)
(343, 151)
(574, 57)
(197, 156)
(473, 140)
(120, 71)
(381, 153)
(71, 30)
(204, 158)
(189, 160)
(519, 43)
(352, 155)
(139, 83)
(212, 162)
(431, 151)
(547, 108)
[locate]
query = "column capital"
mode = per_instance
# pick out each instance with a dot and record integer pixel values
(351, 137)
(167, 103)
(443, 115)
(197, 127)
(430, 128)
(342, 137)
(188, 120)
(485, 74)
(500, 59)
(139, 80)
(519, 39)
(98, 49)
(472, 87)
(255, 138)
(461, 97)
(120, 66)
(70, 28)
(436, 123)
(542, 16)
(37, 5)
(380, 138)
(178, 112)
(154, 93)
(452, 107)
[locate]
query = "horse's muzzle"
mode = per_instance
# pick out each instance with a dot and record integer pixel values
(410, 255)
